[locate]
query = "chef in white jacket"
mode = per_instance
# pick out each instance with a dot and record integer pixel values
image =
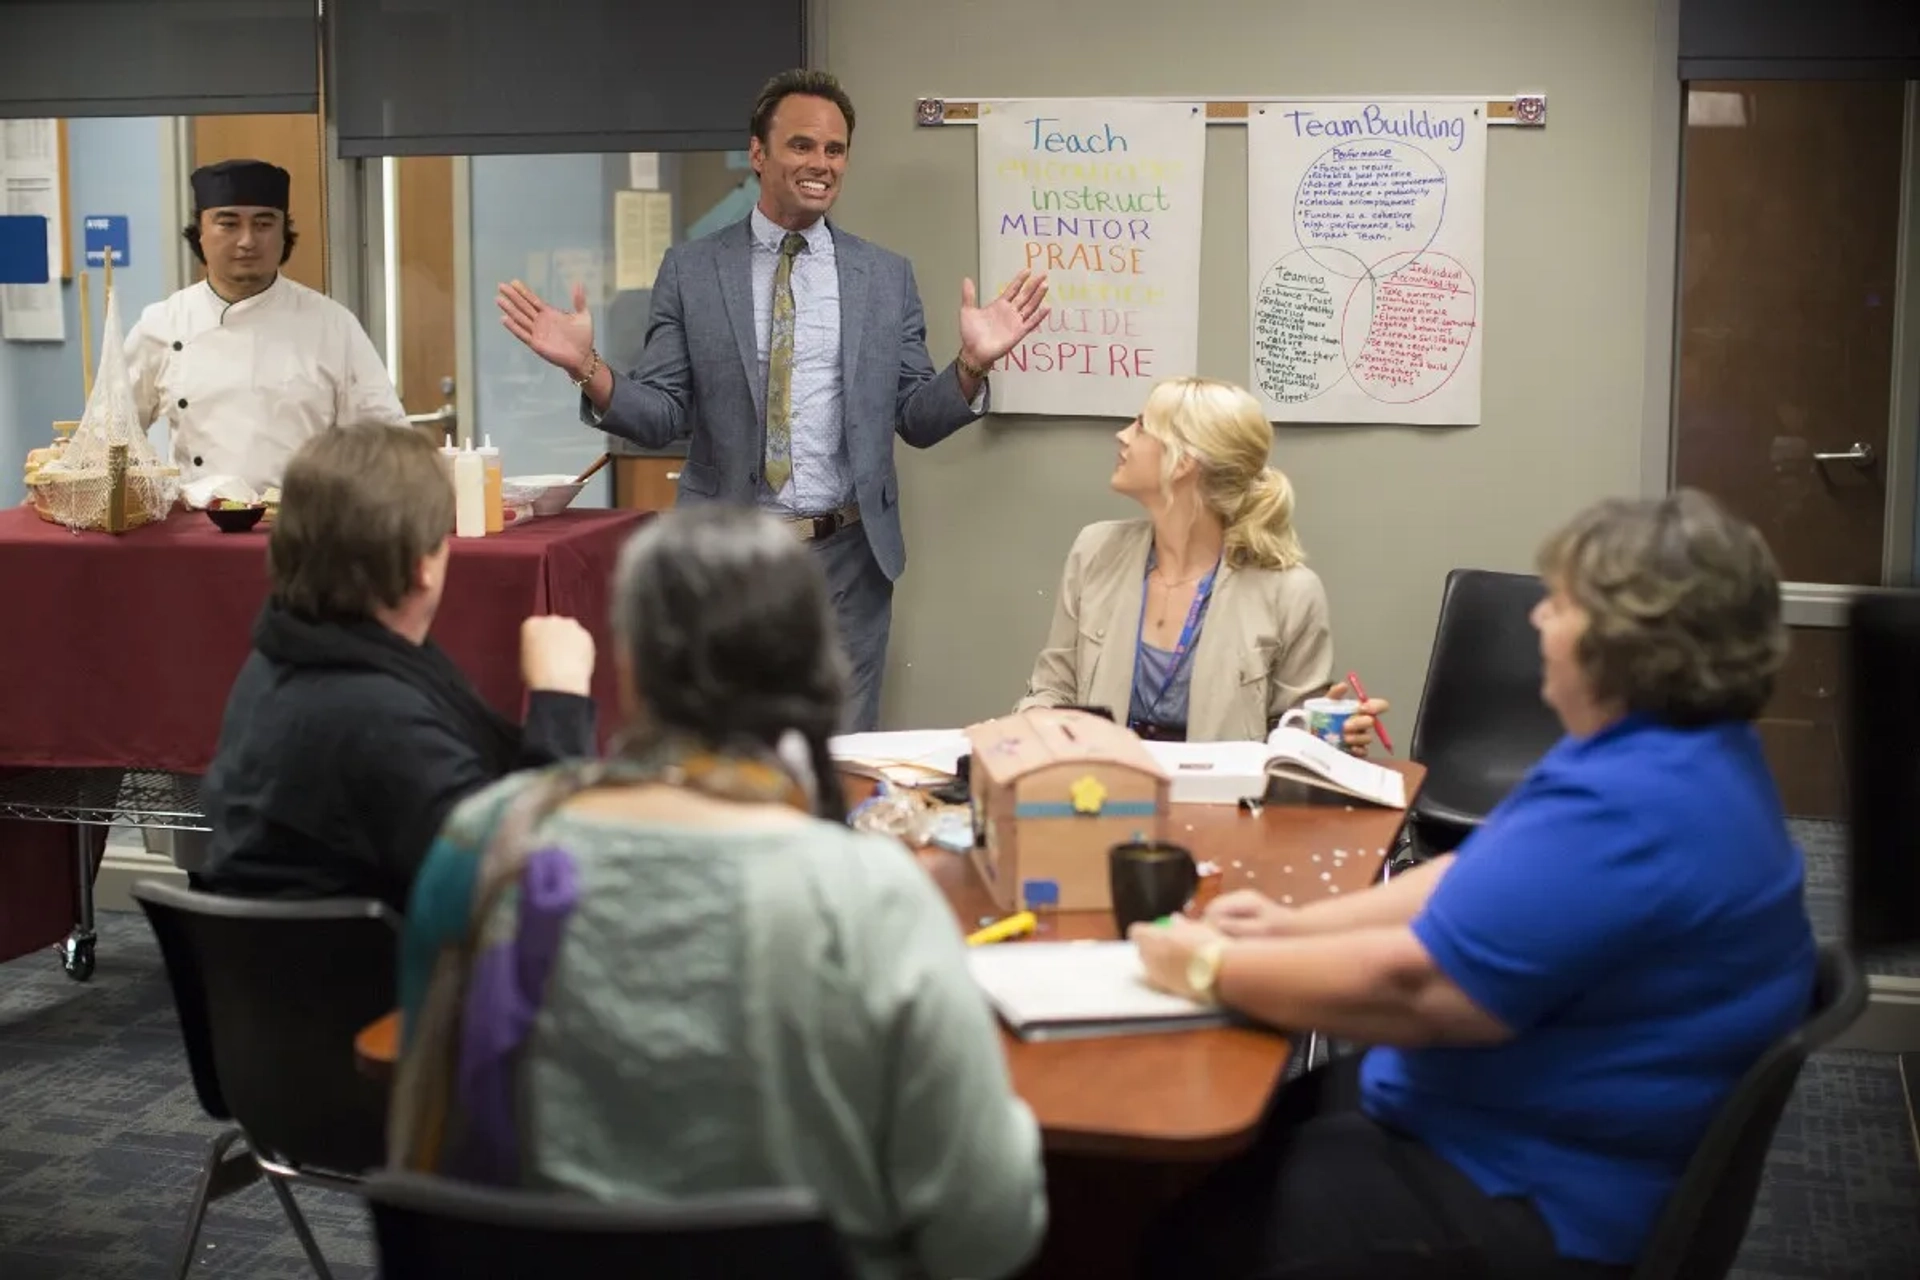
(247, 364)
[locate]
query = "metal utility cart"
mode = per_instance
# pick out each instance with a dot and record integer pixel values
(92, 800)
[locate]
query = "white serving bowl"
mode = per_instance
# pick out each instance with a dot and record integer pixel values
(550, 494)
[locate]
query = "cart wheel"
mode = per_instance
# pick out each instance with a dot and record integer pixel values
(76, 957)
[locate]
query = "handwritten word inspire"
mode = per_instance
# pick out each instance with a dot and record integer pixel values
(1376, 122)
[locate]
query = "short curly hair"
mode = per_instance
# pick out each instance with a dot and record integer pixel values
(1683, 606)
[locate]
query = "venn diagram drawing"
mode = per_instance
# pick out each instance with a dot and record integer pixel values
(1364, 298)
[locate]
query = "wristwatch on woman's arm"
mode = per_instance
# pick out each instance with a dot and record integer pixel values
(1203, 970)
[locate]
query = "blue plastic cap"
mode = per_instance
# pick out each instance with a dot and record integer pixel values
(1040, 893)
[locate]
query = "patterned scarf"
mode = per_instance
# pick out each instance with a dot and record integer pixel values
(478, 978)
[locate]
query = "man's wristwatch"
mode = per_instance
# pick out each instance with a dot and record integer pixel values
(593, 367)
(971, 369)
(1203, 970)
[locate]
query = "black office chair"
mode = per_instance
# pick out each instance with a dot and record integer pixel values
(270, 995)
(1481, 724)
(1699, 1233)
(430, 1228)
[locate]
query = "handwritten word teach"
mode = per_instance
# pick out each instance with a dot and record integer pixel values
(1053, 140)
(1376, 121)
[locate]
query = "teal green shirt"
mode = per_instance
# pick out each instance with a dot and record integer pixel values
(735, 1009)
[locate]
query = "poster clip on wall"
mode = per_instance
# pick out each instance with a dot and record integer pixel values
(1524, 110)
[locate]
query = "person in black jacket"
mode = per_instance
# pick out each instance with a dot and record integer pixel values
(348, 734)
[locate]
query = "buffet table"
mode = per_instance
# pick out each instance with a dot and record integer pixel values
(115, 670)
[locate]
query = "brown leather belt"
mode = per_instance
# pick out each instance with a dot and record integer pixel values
(814, 528)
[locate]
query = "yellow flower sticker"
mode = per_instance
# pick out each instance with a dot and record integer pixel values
(1089, 794)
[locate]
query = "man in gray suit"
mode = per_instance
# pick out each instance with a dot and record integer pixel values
(789, 353)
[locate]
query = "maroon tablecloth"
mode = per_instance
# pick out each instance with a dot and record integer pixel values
(118, 651)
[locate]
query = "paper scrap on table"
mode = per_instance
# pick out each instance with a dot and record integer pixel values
(905, 756)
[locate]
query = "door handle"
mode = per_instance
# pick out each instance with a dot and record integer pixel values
(1860, 455)
(673, 475)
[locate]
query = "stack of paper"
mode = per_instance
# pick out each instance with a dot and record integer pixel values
(1075, 990)
(908, 758)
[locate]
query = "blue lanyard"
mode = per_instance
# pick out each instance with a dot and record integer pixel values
(1189, 630)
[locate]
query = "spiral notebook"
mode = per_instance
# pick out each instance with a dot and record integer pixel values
(1078, 990)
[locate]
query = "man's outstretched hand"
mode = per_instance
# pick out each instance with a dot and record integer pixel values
(561, 338)
(989, 332)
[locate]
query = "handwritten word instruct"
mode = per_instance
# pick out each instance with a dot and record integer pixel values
(1104, 198)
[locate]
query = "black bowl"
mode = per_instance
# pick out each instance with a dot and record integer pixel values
(236, 519)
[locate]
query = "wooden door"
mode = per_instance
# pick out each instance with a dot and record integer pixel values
(426, 375)
(295, 143)
(1790, 228)
(646, 484)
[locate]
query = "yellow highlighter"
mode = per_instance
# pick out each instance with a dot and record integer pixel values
(1000, 930)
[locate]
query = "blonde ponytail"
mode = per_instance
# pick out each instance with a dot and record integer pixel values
(1260, 534)
(1223, 429)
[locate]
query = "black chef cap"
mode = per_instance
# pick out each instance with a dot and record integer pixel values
(240, 182)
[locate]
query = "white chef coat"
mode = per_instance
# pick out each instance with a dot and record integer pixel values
(245, 384)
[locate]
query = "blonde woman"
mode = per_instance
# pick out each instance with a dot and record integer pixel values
(1201, 621)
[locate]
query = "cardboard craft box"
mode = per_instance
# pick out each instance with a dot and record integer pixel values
(1052, 792)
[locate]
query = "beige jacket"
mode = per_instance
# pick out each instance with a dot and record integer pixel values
(1266, 644)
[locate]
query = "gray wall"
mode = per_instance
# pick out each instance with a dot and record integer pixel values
(1385, 512)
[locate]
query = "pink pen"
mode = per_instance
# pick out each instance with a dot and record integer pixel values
(1379, 725)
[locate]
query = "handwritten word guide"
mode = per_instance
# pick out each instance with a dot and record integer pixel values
(1104, 197)
(1366, 236)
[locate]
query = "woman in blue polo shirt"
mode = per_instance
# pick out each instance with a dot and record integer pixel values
(1561, 1006)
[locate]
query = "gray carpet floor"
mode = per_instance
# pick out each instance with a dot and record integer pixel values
(101, 1139)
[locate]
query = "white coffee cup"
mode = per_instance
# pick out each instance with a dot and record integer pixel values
(1324, 718)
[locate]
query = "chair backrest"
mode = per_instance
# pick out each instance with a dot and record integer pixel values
(1699, 1233)
(427, 1228)
(1481, 724)
(270, 995)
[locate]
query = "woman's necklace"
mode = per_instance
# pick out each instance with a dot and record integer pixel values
(1164, 600)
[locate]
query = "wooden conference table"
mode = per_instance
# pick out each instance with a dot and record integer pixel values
(1129, 1121)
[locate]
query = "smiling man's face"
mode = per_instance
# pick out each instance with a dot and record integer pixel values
(802, 161)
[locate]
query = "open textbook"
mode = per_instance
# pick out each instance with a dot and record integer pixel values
(1076, 990)
(1229, 772)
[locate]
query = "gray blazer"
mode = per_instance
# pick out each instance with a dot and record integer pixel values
(699, 379)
